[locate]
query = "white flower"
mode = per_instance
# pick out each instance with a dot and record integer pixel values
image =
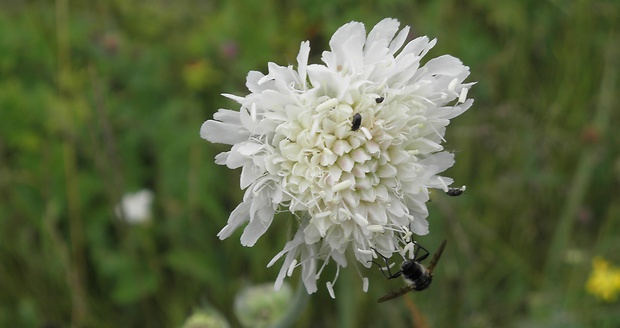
(135, 208)
(359, 188)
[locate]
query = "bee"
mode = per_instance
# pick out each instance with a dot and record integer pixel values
(417, 276)
(357, 122)
(455, 191)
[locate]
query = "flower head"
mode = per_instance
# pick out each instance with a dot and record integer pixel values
(604, 281)
(350, 146)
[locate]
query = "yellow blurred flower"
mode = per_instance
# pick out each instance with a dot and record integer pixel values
(604, 281)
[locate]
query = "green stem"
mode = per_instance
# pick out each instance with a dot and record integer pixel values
(585, 168)
(297, 306)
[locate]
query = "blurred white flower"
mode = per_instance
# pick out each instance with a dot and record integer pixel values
(351, 147)
(135, 208)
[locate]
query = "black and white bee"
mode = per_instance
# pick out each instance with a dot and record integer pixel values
(357, 122)
(415, 273)
(455, 191)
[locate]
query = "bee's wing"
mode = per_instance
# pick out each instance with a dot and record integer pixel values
(396, 293)
(436, 257)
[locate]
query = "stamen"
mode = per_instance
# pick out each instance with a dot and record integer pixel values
(332, 102)
(360, 219)
(375, 228)
(408, 248)
(342, 185)
(366, 132)
(452, 84)
(463, 95)
(291, 268)
(330, 289)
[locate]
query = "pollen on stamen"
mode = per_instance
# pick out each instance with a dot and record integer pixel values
(291, 267)
(330, 289)
(375, 228)
(463, 95)
(408, 248)
(323, 214)
(366, 132)
(365, 252)
(315, 127)
(342, 185)
(330, 103)
(453, 84)
(360, 219)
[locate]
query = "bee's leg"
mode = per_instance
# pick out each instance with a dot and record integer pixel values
(423, 256)
(389, 274)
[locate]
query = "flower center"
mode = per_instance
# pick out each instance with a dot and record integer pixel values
(328, 168)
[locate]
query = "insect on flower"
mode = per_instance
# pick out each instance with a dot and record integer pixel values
(417, 276)
(456, 191)
(357, 121)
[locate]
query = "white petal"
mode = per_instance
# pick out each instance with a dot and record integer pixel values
(341, 147)
(359, 155)
(249, 174)
(249, 148)
(252, 82)
(308, 268)
(221, 158)
(238, 99)
(257, 227)
(419, 226)
(311, 234)
(220, 132)
(387, 171)
(235, 159)
(346, 163)
(290, 246)
(445, 65)
(302, 61)
(382, 33)
(239, 216)
(460, 109)
(399, 40)
(416, 46)
(376, 214)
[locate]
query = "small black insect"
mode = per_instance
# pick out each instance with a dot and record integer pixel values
(455, 191)
(379, 100)
(417, 276)
(357, 122)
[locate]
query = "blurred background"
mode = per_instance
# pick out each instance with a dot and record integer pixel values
(102, 100)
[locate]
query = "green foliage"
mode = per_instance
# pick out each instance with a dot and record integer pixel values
(100, 99)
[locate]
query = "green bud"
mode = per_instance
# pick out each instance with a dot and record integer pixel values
(206, 318)
(261, 305)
